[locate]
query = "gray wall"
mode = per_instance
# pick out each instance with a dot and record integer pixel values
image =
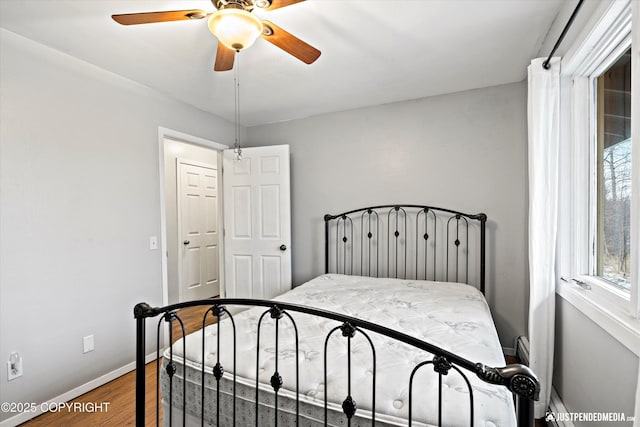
(465, 150)
(593, 371)
(585, 351)
(79, 197)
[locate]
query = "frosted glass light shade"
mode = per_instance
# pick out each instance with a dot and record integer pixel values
(237, 29)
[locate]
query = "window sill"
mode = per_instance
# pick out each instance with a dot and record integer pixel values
(612, 317)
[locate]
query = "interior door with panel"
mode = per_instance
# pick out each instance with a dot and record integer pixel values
(257, 222)
(198, 221)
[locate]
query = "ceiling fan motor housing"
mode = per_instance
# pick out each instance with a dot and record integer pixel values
(247, 5)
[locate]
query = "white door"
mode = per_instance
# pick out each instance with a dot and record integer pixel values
(257, 222)
(198, 230)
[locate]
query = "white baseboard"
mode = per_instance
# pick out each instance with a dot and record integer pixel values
(508, 351)
(520, 349)
(78, 391)
(556, 406)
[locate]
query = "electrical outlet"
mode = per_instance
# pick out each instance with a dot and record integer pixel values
(153, 243)
(87, 344)
(14, 366)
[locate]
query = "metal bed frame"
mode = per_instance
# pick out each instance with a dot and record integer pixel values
(384, 235)
(356, 244)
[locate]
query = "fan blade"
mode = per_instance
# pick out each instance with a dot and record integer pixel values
(277, 4)
(224, 58)
(289, 43)
(151, 17)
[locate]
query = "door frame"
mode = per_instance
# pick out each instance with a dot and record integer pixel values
(186, 161)
(166, 133)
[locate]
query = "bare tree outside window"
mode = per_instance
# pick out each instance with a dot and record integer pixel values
(614, 173)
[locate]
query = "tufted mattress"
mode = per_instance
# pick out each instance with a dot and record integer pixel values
(452, 316)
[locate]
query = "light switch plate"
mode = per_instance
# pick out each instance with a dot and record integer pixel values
(87, 344)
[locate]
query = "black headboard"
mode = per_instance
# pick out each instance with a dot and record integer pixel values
(408, 242)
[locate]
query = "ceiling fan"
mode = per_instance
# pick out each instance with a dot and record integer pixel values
(235, 26)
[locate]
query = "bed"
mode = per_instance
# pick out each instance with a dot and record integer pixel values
(396, 332)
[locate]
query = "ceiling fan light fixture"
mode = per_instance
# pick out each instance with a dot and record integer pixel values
(237, 29)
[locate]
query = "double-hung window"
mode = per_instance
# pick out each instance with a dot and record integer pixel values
(599, 218)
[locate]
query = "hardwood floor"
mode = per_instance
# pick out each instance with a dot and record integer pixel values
(120, 393)
(192, 319)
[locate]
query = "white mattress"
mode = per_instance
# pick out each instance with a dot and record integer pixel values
(452, 316)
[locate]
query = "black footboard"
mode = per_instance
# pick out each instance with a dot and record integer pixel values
(518, 379)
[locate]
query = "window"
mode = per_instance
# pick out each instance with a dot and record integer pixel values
(613, 177)
(599, 188)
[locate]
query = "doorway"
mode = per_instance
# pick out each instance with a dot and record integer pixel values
(199, 225)
(257, 217)
(182, 155)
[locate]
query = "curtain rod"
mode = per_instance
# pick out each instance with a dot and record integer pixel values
(546, 64)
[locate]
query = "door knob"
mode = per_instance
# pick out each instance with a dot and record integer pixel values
(186, 242)
(283, 247)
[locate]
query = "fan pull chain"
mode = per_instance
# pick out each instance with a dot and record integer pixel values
(236, 80)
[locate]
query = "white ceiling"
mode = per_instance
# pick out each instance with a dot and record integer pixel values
(373, 51)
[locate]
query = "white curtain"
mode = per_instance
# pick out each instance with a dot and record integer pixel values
(544, 120)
